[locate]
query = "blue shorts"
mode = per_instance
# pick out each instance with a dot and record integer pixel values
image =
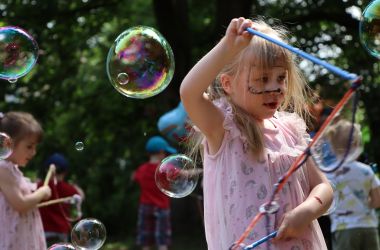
(153, 226)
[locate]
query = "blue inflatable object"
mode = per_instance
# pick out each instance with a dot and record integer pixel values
(173, 124)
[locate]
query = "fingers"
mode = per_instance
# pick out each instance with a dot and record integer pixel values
(240, 25)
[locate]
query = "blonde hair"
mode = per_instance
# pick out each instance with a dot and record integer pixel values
(339, 136)
(265, 54)
(18, 125)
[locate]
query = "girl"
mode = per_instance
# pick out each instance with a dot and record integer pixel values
(248, 143)
(21, 226)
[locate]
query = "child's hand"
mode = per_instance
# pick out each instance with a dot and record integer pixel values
(293, 225)
(45, 192)
(236, 35)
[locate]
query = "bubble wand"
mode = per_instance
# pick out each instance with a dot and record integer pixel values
(270, 206)
(49, 174)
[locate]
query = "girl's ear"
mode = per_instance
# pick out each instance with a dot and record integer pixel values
(226, 82)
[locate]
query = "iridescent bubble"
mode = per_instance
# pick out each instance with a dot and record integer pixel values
(73, 208)
(18, 53)
(79, 146)
(62, 246)
(369, 28)
(6, 146)
(177, 176)
(88, 233)
(144, 60)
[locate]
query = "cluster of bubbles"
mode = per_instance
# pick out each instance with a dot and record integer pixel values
(88, 234)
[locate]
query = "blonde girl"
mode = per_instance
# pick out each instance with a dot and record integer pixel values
(21, 225)
(251, 132)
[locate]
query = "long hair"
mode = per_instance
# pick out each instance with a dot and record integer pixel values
(18, 125)
(263, 54)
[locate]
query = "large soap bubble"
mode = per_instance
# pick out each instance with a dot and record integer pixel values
(177, 176)
(18, 53)
(140, 63)
(88, 233)
(370, 28)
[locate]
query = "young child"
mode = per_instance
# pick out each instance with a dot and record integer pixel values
(354, 221)
(248, 144)
(21, 225)
(153, 226)
(55, 218)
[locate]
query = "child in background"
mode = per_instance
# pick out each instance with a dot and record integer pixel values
(249, 141)
(354, 223)
(21, 225)
(153, 226)
(55, 217)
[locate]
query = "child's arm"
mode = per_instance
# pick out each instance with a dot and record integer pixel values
(200, 110)
(374, 198)
(13, 194)
(316, 204)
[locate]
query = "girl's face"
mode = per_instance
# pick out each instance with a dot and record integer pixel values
(259, 92)
(24, 150)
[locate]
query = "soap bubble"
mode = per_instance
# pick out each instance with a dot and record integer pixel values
(18, 53)
(73, 208)
(88, 233)
(177, 176)
(140, 63)
(6, 146)
(79, 146)
(62, 246)
(369, 28)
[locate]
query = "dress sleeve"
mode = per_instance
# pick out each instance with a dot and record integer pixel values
(296, 126)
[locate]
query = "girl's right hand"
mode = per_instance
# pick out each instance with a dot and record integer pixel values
(45, 192)
(237, 36)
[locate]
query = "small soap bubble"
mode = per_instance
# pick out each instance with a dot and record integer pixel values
(18, 53)
(62, 246)
(73, 208)
(79, 146)
(123, 78)
(177, 176)
(6, 146)
(88, 233)
(369, 28)
(140, 63)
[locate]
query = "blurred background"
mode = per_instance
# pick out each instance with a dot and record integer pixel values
(69, 92)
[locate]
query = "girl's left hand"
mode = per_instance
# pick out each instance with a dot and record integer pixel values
(293, 225)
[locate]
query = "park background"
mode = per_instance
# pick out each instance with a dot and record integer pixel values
(70, 94)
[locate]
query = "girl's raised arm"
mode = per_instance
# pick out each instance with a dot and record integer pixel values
(201, 110)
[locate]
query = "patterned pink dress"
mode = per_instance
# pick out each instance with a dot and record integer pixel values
(236, 184)
(20, 231)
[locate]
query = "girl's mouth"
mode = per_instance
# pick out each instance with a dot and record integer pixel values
(271, 105)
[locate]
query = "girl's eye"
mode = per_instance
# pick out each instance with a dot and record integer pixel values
(282, 78)
(263, 79)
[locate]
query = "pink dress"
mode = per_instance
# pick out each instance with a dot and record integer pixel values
(236, 185)
(20, 231)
